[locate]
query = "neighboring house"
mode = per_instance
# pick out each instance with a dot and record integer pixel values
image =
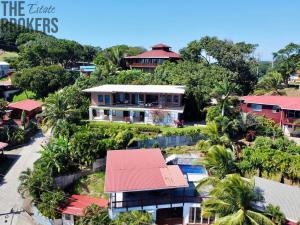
(87, 70)
(76, 205)
(30, 107)
(295, 78)
(149, 104)
(7, 89)
(285, 196)
(141, 180)
(149, 60)
(4, 69)
(281, 109)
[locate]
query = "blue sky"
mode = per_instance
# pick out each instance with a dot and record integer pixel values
(269, 23)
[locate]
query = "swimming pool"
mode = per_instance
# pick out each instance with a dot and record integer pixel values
(194, 169)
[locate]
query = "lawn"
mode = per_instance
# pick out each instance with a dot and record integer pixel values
(8, 55)
(24, 95)
(91, 185)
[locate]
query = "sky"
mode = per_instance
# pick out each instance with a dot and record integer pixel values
(271, 24)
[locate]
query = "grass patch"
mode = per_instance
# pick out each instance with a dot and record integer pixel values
(91, 185)
(7, 55)
(24, 95)
(180, 150)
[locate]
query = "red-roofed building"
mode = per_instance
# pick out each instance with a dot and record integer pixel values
(29, 106)
(77, 204)
(141, 180)
(149, 60)
(282, 109)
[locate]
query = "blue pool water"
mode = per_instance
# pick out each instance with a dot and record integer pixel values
(192, 169)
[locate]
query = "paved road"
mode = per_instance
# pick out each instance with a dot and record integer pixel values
(9, 197)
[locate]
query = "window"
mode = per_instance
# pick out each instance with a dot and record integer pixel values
(176, 99)
(107, 99)
(256, 107)
(275, 109)
(169, 99)
(100, 98)
(291, 114)
(67, 216)
(195, 215)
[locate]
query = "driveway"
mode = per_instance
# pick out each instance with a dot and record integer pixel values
(297, 140)
(10, 200)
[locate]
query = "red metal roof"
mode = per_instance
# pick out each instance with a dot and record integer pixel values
(138, 170)
(284, 102)
(78, 203)
(27, 105)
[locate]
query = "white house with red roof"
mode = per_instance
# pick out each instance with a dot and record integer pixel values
(141, 180)
(283, 110)
(149, 60)
(149, 104)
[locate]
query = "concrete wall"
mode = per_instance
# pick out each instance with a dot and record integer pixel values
(65, 181)
(41, 220)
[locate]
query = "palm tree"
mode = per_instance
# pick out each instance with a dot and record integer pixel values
(219, 162)
(231, 201)
(271, 81)
(57, 109)
(215, 137)
(275, 213)
(222, 91)
(25, 182)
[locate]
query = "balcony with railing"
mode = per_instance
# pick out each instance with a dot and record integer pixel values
(155, 198)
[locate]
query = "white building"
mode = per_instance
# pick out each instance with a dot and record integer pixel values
(149, 104)
(141, 180)
(4, 69)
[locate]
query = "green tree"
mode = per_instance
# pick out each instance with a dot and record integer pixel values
(94, 215)
(272, 81)
(133, 218)
(50, 202)
(276, 215)
(56, 109)
(287, 60)
(231, 201)
(44, 80)
(222, 92)
(236, 57)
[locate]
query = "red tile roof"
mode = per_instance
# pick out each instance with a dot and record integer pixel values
(161, 54)
(78, 203)
(284, 102)
(138, 170)
(26, 105)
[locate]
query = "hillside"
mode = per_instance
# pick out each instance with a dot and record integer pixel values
(7, 55)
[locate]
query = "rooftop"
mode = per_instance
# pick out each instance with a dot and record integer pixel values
(140, 170)
(158, 89)
(284, 102)
(285, 196)
(26, 105)
(77, 204)
(158, 51)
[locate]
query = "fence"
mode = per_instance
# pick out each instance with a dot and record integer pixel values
(65, 181)
(169, 141)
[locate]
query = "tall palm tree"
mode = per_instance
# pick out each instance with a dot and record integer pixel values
(56, 109)
(219, 162)
(231, 201)
(215, 137)
(222, 91)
